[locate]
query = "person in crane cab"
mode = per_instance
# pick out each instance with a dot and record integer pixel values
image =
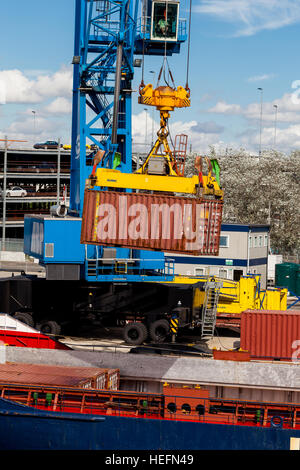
(163, 25)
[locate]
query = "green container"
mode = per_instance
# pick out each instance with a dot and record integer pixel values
(298, 283)
(288, 275)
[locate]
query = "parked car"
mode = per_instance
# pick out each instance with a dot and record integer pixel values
(15, 191)
(49, 144)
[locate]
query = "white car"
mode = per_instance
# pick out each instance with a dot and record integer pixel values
(15, 191)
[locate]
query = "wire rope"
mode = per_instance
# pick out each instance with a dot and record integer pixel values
(189, 46)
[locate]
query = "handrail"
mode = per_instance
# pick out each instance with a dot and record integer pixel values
(154, 406)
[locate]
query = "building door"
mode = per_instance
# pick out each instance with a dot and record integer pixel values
(237, 274)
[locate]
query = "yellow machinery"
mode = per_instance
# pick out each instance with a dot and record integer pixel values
(162, 164)
(220, 302)
(237, 296)
(165, 99)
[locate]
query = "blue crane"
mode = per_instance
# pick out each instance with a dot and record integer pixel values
(135, 287)
(112, 37)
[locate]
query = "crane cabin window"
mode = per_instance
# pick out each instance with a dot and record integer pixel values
(164, 24)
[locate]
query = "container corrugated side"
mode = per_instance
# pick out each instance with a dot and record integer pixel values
(87, 377)
(44, 379)
(271, 334)
(152, 221)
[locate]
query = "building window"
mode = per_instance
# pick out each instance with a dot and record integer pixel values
(223, 273)
(224, 241)
(250, 242)
(260, 241)
(255, 242)
(199, 271)
(266, 240)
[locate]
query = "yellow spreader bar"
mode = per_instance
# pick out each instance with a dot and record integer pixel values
(116, 179)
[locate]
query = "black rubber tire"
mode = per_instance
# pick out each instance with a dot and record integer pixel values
(159, 330)
(49, 327)
(24, 317)
(135, 333)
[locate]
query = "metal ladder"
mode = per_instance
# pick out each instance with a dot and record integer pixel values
(209, 310)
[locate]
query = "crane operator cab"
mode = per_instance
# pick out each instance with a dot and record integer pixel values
(160, 30)
(164, 20)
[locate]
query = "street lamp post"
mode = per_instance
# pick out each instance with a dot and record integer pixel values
(261, 106)
(275, 124)
(4, 195)
(58, 173)
(34, 112)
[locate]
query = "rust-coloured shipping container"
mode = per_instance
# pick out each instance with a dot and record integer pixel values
(82, 377)
(152, 221)
(44, 379)
(271, 334)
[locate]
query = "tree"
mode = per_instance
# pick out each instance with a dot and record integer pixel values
(259, 190)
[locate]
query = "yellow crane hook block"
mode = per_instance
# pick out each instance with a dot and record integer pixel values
(164, 98)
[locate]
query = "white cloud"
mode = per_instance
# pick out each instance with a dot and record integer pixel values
(26, 126)
(199, 139)
(224, 108)
(287, 139)
(252, 16)
(31, 132)
(60, 105)
(21, 89)
(288, 109)
(18, 88)
(49, 95)
(57, 84)
(260, 78)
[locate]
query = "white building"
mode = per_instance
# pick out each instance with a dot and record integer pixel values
(243, 250)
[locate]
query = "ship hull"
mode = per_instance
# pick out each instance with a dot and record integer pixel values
(25, 428)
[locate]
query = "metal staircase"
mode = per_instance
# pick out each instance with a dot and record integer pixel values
(209, 310)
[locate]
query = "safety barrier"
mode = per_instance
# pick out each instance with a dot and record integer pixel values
(185, 405)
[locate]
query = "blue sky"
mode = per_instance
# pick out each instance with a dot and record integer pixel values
(236, 47)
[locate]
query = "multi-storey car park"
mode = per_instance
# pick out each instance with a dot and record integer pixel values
(39, 173)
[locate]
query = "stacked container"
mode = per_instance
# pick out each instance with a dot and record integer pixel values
(64, 376)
